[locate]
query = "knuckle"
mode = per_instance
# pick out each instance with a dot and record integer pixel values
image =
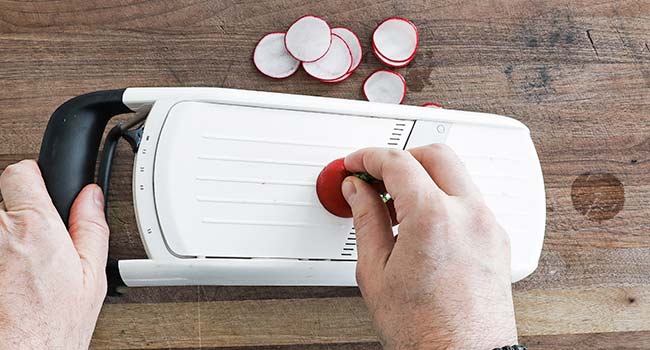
(440, 218)
(28, 164)
(21, 167)
(440, 148)
(484, 221)
(397, 153)
(24, 232)
(481, 221)
(395, 160)
(484, 217)
(440, 151)
(433, 203)
(10, 169)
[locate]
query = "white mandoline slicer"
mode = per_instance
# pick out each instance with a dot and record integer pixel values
(224, 180)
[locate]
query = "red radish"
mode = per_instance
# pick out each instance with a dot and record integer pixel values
(396, 39)
(432, 105)
(272, 59)
(334, 65)
(308, 38)
(385, 86)
(353, 43)
(388, 62)
(328, 189)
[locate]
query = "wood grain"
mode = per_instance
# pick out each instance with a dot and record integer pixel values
(577, 73)
(345, 319)
(595, 341)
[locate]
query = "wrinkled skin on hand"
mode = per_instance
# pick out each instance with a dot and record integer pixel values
(444, 282)
(52, 279)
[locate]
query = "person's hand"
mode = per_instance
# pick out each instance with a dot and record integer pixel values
(444, 281)
(52, 281)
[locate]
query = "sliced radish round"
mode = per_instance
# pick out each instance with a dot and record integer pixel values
(308, 38)
(335, 64)
(353, 43)
(388, 62)
(396, 39)
(385, 86)
(338, 80)
(272, 59)
(432, 105)
(377, 53)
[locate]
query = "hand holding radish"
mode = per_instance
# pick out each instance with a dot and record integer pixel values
(444, 281)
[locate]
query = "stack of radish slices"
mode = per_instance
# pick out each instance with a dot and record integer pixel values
(395, 41)
(331, 55)
(327, 54)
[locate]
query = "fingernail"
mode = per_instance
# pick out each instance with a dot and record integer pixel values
(98, 197)
(349, 191)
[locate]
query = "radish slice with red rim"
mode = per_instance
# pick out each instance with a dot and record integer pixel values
(338, 80)
(432, 105)
(396, 39)
(388, 62)
(308, 38)
(272, 59)
(384, 58)
(334, 65)
(385, 86)
(353, 43)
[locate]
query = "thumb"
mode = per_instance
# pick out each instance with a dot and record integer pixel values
(89, 230)
(372, 224)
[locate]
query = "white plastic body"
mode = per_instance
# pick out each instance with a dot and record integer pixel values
(224, 182)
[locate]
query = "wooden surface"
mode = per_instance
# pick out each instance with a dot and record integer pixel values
(576, 72)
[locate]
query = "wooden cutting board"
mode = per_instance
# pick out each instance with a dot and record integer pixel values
(577, 73)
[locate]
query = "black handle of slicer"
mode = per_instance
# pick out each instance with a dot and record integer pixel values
(69, 153)
(71, 144)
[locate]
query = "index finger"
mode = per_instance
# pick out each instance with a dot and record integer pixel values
(22, 187)
(404, 177)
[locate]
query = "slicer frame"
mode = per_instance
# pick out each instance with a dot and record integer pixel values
(163, 267)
